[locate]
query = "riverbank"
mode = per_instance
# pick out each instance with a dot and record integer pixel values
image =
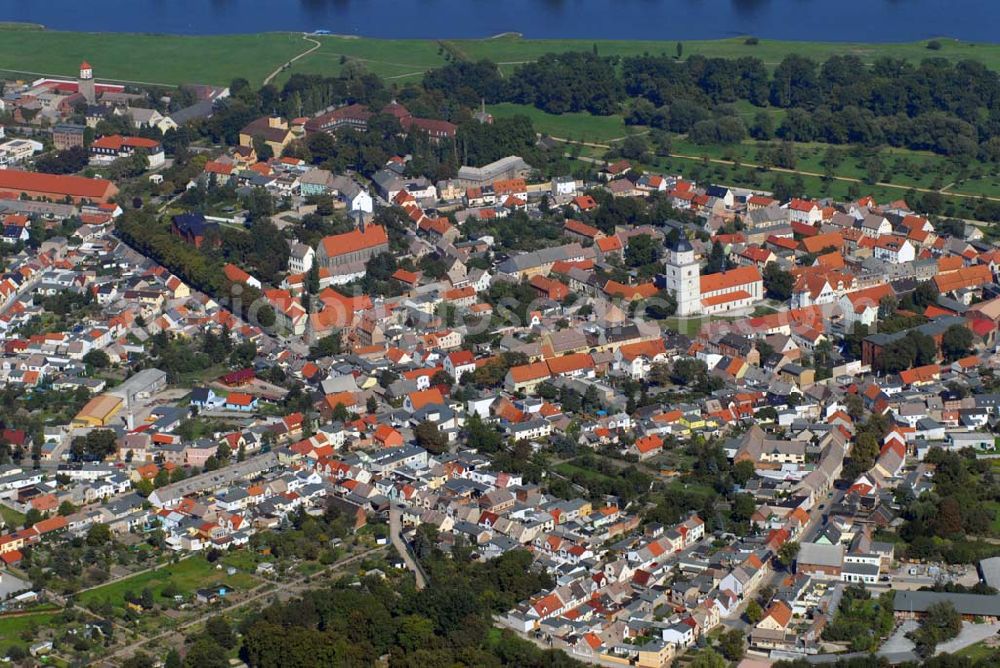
(217, 59)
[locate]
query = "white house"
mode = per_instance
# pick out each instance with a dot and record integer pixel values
(804, 211)
(19, 150)
(352, 194)
(894, 249)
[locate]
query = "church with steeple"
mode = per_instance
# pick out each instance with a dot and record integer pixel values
(726, 291)
(683, 276)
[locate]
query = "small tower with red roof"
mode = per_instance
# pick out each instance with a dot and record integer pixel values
(85, 83)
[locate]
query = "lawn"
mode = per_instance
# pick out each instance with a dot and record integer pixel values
(217, 59)
(995, 507)
(978, 653)
(188, 575)
(11, 518)
(244, 560)
(165, 59)
(402, 60)
(570, 470)
(12, 626)
(689, 326)
(576, 126)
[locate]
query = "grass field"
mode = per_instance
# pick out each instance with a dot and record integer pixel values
(161, 59)
(902, 169)
(995, 507)
(217, 59)
(188, 575)
(570, 470)
(401, 60)
(11, 627)
(575, 126)
(979, 652)
(12, 519)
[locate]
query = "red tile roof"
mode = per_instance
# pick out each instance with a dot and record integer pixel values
(355, 240)
(117, 142)
(730, 279)
(73, 186)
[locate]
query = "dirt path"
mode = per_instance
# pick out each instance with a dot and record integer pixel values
(265, 589)
(316, 44)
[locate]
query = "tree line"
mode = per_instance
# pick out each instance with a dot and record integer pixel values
(949, 108)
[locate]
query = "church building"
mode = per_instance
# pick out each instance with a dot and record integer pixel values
(711, 294)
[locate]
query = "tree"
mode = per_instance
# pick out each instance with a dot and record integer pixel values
(754, 612)
(742, 471)
(707, 658)
(863, 455)
(685, 371)
(948, 521)
(787, 553)
(98, 534)
(67, 161)
(98, 359)
(942, 622)
(641, 251)
(855, 407)
(327, 346)
(173, 659)
(162, 478)
(763, 126)
(265, 316)
(340, 413)
(206, 653)
(431, 438)
(415, 631)
(139, 660)
(733, 644)
(32, 517)
(956, 342)
(778, 282)
(66, 508)
(481, 436)
(221, 632)
(371, 405)
(823, 352)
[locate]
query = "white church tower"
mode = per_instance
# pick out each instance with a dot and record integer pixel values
(684, 278)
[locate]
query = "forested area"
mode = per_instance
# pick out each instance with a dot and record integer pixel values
(944, 523)
(449, 623)
(948, 108)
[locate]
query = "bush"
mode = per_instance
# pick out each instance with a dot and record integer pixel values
(934, 45)
(751, 41)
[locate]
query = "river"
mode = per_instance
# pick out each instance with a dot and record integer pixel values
(810, 20)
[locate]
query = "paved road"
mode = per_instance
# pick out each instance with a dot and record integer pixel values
(970, 635)
(396, 534)
(807, 535)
